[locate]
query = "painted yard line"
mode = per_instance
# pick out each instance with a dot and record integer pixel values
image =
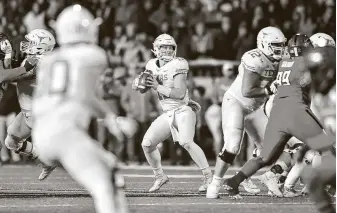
(155, 204)
(39, 206)
(223, 203)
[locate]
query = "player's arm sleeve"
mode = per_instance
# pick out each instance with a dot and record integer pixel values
(182, 67)
(251, 77)
(179, 80)
(11, 74)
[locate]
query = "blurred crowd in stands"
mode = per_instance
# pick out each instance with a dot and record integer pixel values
(204, 30)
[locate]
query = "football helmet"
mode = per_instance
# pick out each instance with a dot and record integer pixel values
(271, 41)
(298, 44)
(76, 24)
(37, 42)
(322, 40)
(164, 54)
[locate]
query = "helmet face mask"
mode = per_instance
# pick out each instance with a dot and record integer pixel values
(165, 47)
(298, 44)
(166, 52)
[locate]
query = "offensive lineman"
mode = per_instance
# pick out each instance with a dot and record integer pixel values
(257, 70)
(66, 101)
(290, 116)
(179, 118)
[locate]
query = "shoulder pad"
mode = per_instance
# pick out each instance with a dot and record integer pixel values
(150, 65)
(181, 65)
(253, 60)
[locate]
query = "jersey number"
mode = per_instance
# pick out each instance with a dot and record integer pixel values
(283, 78)
(255, 54)
(59, 77)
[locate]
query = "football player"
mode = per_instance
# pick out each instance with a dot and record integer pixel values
(6, 73)
(290, 115)
(312, 157)
(6, 55)
(168, 79)
(38, 42)
(66, 101)
(255, 125)
(248, 92)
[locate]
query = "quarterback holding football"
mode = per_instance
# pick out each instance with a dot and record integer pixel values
(166, 74)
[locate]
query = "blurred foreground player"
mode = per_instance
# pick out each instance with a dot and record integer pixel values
(319, 60)
(290, 115)
(65, 102)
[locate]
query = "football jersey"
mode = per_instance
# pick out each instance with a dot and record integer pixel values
(294, 80)
(253, 61)
(67, 82)
(165, 76)
(25, 88)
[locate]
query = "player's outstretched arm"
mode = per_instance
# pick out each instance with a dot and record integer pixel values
(11, 74)
(250, 85)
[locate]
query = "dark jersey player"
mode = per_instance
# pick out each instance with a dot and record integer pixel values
(290, 115)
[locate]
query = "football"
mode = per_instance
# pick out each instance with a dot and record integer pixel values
(142, 81)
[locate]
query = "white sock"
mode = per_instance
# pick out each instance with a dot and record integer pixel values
(293, 175)
(206, 171)
(217, 180)
(158, 171)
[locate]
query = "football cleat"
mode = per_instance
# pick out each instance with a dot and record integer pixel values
(250, 187)
(270, 180)
(159, 181)
(46, 171)
(207, 180)
(290, 192)
(305, 190)
(213, 191)
(233, 191)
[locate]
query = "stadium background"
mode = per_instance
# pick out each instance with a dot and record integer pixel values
(211, 34)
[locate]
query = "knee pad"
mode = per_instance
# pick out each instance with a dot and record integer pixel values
(227, 156)
(148, 145)
(12, 142)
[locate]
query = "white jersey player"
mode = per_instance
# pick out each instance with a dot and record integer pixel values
(248, 92)
(38, 42)
(179, 118)
(66, 101)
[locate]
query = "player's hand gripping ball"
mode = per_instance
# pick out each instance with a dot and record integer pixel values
(140, 81)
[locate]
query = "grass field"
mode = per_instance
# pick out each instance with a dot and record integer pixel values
(21, 192)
